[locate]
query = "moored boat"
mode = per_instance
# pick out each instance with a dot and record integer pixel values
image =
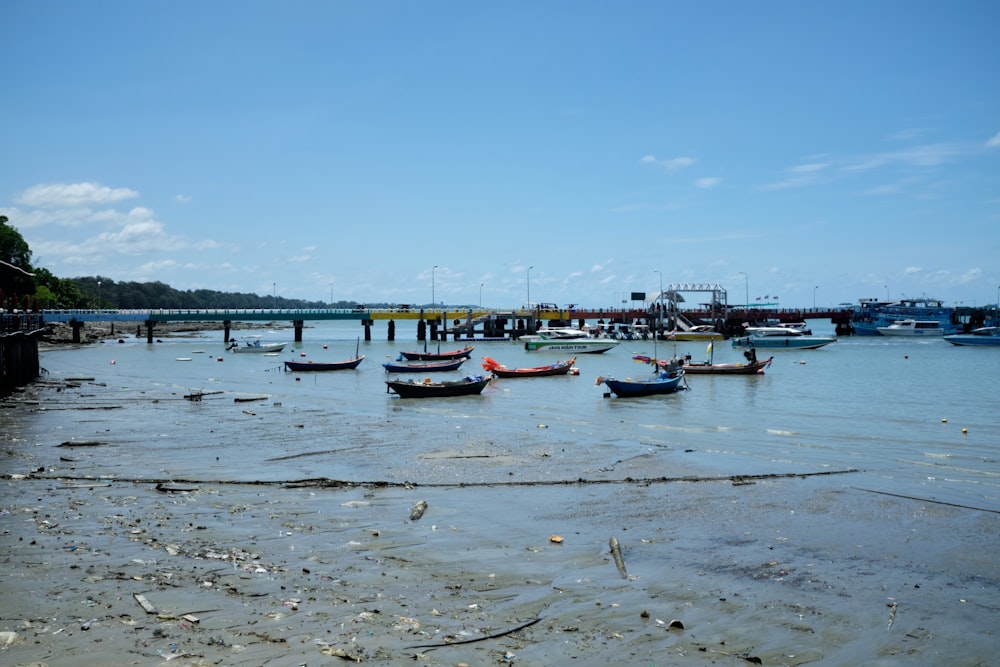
(699, 332)
(424, 366)
(780, 337)
(324, 365)
(663, 382)
(755, 367)
(567, 339)
(925, 328)
(983, 336)
(870, 314)
(257, 346)
(467, 386)
(556, 368)
(464, 353)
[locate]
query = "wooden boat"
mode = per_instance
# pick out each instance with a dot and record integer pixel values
(467, 386)
(751, 368)
(664, 382)
(324, 365)
(464, 353)
(348, 364)
(557, 368)
(424, 367)
(257, 346)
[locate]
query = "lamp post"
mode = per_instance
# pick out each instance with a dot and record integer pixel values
(481, 295)
(98, 294)
(886, 292)
(528, 281)
(746, 285)
(814, 296)
(331, 295)
(659, 315)
(274, 296)
(432, 285)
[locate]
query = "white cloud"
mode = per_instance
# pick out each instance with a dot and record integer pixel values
(994, 141)
(64, 195)
(670, 164)
(707, 183)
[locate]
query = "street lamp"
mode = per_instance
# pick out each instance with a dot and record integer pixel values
(886, 292)
(274, 296)
(432, 285)
(529, 285)
(481, 295)
(746, 285)
(659, 297)
(331, 295)
(814, 296)
(98, 294)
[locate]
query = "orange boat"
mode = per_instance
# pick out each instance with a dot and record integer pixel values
(557, 368)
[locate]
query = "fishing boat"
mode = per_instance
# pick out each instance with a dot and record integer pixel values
(464, 353)
(753, 366)
(256, 346)
(665, 381)
(924, 328)
(780, 337)
(467, 386)
(980, 336)
(348, 364)
(556, 368)
(424, 366)
(567, 339)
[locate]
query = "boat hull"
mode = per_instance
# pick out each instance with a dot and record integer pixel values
(429, 367)
(650, 386)
(557, 368)
(778, 342)
(586, 346)
(983, 337)
(413, 389)
(464, 353)
(259, 349)
(301, 366)
(755, 368)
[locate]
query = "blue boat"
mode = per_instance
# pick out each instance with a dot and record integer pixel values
(780, 337)
(870, 314)
(980, 336)
(665, 382)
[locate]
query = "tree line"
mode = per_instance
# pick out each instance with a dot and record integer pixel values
(25, 288)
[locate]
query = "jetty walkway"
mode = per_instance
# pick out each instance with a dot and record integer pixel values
(458, 321)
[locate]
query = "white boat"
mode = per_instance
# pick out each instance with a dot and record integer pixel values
(257, 346)
(699, 332)
(912, 328)
(779, 337)
(567, 339)
(980, 336)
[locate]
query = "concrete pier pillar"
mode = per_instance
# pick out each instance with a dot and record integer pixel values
(227, 325)
(368, 329)
(391, 335)
(149, 332)
(298, 324)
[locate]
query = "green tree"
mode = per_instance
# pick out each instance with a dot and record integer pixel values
(15, 264)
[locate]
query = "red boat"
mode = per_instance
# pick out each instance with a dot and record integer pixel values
(557, 368)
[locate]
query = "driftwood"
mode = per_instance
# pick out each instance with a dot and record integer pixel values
(616, 553)
(479, 639)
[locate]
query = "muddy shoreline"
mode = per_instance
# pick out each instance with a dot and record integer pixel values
(782, 570)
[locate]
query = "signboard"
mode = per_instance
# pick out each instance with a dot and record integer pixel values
(638, 296)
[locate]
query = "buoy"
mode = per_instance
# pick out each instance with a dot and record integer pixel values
(324, 347)
(944, 421)
(906, 356)
(112, 362)
(965, 430)
(302, 354)
(219, 359)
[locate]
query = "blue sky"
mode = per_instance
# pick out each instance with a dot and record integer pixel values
(798, 150)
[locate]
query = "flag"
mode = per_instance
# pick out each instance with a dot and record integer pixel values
(708, 350)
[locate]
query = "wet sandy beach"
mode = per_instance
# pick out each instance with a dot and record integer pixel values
(772, 571)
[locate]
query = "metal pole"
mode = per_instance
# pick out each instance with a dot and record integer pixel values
(481, 295)
(528, 304)
(432, 285)
(814, 296)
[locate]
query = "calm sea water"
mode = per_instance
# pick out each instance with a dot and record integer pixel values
(916, 417)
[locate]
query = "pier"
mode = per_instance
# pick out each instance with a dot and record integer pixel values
(19, 334)
(468, 323)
